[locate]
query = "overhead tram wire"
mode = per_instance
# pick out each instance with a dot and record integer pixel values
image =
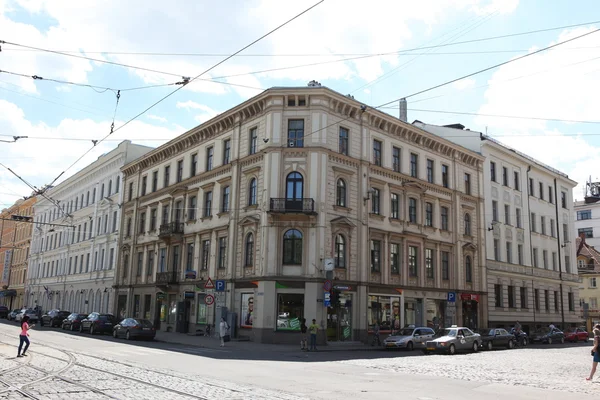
(489, 68)
(190, 81)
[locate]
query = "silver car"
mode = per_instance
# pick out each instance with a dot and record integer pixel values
(453, 339)
(30, 312)
(409, 338)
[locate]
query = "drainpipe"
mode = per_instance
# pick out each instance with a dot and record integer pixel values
(560, 277)
(530, 242)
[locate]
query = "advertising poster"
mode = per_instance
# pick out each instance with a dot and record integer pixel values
(247, 310)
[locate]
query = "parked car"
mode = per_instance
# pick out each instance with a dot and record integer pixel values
(4, 312)
(547, 335)
(13, 314)
(73, 321)
(453, 339)
(576, 334)
(131, 328)
(496, 337)
(98, 323)
(30, 312)
(54, 318)
(409, 338)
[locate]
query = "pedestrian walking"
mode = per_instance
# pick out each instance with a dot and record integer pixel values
(595, 352)
(313, 329)
(223, 329)
(376, 336)
(303, 330)
(23, 336)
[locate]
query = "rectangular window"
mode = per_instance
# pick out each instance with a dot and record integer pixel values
(520, 254)
(518, 215)
(412, 261)
(445, 176)
(507, 214)
(226, 151)
(511, 297)
(150, 263)
(571, 300)
(153, 217)
(493, 171)
(584, 214)
(428, 214)
(189, 259)
(445, 265)
(142, 227)
(547, 300)
(516, 182)
(565, 233)
(568, 264)
(533, 225)
(592, 282)
(222, 253)
(496, 250)
(179, 171)
(296, 133)
(205, 254)
(505, 176)
(531, 193)
(194, 164)
(210, 152)
(498, 295)
(444, 218)
(524, 299)
(396, 159)
(552, 228)
(588, 232)
(225, 199)
(430, 166)
(543, 224)
(536, 298)
(87, 263)
(154, 181)
(375, 201)
(193, 204)
(375, 256)
(144, 183)
(414, 165)
(429, 266)
(207, 204)
(509, 252)
(292, 306)
(111, 258)
(140, 265)
(412, 210)
(563, 199)
(167, 177)
(165, 215)
(377, 152)
(114, 222)
(395, 206)
(468, 184)
(535, 257)
(129, 193)
(178, 210)
(545, 258)
(541, 187)
(162, 261)
(175, 259)
(253, 141)
(550, 195)
(554, 258)
(494, 210)
(395, 258)
(556, 300)
(343, 141)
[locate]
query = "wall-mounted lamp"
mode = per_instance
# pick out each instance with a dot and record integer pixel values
(565, 244)
(81, 291)
(369, 193)
(491, 228)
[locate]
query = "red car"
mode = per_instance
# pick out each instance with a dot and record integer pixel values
(576, 334)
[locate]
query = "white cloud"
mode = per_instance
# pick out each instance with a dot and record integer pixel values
(463, 84)
(156, 118)
(206, 114)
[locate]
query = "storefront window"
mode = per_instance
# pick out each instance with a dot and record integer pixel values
(247, 312)
(290, 311)
(385, 311)
(202, 316)
(436, 314)
(339, 319)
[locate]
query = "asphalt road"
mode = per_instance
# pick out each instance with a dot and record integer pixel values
(64, 365)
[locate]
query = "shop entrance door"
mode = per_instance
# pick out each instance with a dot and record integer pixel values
(339, 319)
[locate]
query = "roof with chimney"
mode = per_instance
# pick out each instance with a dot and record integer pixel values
(591, 255)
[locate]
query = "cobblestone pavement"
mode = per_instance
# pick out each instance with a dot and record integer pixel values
(50, 373)
(554, 368)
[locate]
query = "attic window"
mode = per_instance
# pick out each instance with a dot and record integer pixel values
(291, 102)
(302, 101)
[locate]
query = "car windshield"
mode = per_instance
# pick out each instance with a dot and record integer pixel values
(446, 332)
(486, 332)
(543, 331)
(403, 332)
(145, 323)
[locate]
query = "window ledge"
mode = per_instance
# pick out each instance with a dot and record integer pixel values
(341, 208)
(206, 217)
(251, 207)
(377, 216)
(395, 220)
(190, 221)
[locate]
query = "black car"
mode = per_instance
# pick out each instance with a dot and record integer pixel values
(496, 337)
(131, 328)
(548, 335)
(54, 318)
(73, 321)
(98, 323)
(4, 312)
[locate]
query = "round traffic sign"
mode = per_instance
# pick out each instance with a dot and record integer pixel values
(327, 285)
(209, 300)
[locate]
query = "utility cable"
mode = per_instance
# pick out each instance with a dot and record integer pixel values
(188, 82)
(490, 68)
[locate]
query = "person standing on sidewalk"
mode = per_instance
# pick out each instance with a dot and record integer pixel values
(23, 336)
(223, 328)
(313, 329)
(303, 330)
(595, 352)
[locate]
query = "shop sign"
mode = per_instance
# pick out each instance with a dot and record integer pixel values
(189, 295)
(160, 296)
(190, 274)
(469, 296)
(6, 271)
(342, 287)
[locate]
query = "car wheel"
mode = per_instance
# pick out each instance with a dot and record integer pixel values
(81, 328)
(92, 330)
(410, 346)
(42, 322)
(490, 345)
(562, 340)
(452, 349)
(72, 327)
(115, 333)
(425, 352)
(475, 347)
(511, 344)
(525, 342)
(127, 336)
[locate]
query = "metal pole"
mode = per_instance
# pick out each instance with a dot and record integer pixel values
(562, 308)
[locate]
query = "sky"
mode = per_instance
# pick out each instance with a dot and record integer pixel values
(377, 52)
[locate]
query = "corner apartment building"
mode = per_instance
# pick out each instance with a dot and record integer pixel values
(587, 222)
(289, 188)
(74, 245)
(15, 243)
(588, 266)
(531, 275)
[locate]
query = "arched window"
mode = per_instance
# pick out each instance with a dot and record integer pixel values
(294, 186)
(252, 192)
(249, 251)
(102, 192)
(109, 188)
(340, 198)
(468, 269)
(292, 247)
(118, 184)
(467, 225)
(340, 251)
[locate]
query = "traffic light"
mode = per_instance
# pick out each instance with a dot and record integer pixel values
(22, 218)
(335, 297)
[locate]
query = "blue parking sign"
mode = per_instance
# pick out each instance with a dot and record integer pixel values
(219, 286)
(451, 297)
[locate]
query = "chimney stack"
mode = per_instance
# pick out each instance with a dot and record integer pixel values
(403, 111)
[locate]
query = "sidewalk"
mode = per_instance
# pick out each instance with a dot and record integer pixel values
(213, 343)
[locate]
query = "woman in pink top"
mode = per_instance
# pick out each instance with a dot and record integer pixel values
(23, 336)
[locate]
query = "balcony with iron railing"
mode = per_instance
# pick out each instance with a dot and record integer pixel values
(167, 278)
(292, 206)
(170, 230)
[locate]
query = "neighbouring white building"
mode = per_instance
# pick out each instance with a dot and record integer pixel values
(587, 221)
(71, 266)
(529, 234)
